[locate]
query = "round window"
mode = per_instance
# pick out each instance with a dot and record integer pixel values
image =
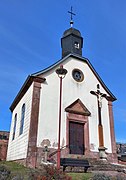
(78, 75)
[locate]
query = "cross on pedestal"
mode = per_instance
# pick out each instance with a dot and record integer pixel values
(72, 14)
(46, 150)
(100, 96)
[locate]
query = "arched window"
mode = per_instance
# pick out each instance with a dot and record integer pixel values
(14, 128)
(22, 119)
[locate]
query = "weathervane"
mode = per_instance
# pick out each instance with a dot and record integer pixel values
(71, 13)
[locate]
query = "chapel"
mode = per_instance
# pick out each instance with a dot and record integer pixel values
(69, 93)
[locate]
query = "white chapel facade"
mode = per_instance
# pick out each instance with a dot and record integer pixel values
(35, 111)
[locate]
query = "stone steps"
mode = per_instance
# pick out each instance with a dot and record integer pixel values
(104, 165)
(98, 165)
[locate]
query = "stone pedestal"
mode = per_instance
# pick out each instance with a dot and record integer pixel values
(46, 150)
(102, 153)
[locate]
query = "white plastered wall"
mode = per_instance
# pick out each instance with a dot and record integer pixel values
(49, 104)
(17, 148)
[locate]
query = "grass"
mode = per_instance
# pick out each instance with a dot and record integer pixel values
(19, 170)
(13, 166)
(16, 169)
(80, 176)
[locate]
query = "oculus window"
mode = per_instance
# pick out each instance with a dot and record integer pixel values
(77, 75)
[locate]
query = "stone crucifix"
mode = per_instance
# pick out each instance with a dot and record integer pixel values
(100, 96)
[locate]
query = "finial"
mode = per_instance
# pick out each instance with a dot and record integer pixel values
(71, 12)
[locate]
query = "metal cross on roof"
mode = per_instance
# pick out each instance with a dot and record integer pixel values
(71, 13)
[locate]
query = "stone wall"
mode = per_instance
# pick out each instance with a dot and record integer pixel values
(4, 136)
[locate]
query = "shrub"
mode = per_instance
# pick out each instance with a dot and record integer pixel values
(14, 171)
(101, 177)
(120, 177)
(51, 172)
(4, 173)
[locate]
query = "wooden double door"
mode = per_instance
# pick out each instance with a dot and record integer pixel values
(76, 138)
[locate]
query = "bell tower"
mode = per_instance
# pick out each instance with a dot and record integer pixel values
(71, 42)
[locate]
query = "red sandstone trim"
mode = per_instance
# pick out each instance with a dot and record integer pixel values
(112, 133)
(32, 149)
(24, 89)
(113, 142)
(79, 119)
(77, 107)
(86, 136)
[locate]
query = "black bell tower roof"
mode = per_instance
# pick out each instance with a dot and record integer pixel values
(71, 31)
(71, 42)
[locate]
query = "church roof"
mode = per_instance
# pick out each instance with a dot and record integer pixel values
(34, 77)
(113, 98)
(71, 31)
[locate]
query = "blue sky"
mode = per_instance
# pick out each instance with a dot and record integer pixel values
(30, 33)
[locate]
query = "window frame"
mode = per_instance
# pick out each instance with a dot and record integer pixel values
(22, 119)
(14, 127)
(81, 75)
